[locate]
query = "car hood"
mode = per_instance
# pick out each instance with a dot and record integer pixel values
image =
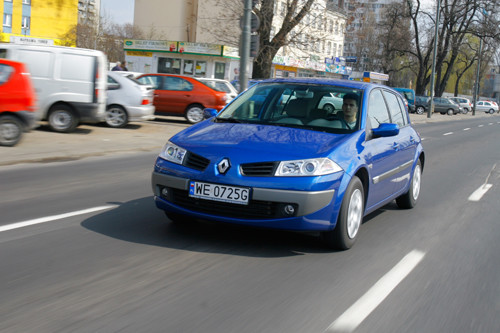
(254, 143)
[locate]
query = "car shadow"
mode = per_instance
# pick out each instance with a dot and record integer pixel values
(78, 130)
(139, 221)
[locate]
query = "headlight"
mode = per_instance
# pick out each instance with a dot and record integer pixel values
(173, 153)
(309, 167)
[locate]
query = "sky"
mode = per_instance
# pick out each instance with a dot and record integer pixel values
(118, 11)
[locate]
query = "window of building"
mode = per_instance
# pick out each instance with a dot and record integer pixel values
(169, 65)
(201, 68)
(25, 23)
(27, 2)
(7, 20)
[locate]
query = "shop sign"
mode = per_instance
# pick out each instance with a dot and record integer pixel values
(139, 53)
(150, 45)
(30, 40)
(230, 51)
(200, 48)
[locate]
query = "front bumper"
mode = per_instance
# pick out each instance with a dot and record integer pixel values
(313, 209)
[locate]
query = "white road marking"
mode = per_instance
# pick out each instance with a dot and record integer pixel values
(53, 218)
(355, 315)
(478, 194)
(449, 133)
(490, 123)
(480, 125)
(466, 129)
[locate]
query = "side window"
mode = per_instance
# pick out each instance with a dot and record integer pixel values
(177, 83)
(377, 110)
(5, 72)
(394, 109)
(155, 80)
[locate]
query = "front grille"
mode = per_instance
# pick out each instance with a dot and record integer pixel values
(254, 210)
(196, 162)
(262, 169)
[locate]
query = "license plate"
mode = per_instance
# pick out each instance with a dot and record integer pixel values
(224, 193)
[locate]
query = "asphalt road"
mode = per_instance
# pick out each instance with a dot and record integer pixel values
(124, 268)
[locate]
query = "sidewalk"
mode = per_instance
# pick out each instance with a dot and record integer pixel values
(43, 146)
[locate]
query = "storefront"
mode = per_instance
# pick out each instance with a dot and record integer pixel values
(184, 58)
(286, 66)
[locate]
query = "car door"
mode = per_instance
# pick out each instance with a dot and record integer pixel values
(405, 143)
(159, 101)
(438, 105)
(381, 152)
(177, 93)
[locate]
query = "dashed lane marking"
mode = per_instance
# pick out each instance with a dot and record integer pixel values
(449, 133)
(358, 312)
(53, 218)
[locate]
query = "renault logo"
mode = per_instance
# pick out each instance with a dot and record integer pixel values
(224, 165)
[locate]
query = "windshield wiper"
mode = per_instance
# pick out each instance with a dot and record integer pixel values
(228, 120)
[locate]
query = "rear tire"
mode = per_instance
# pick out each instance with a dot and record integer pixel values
(11, 130)
(62, 119)
(420, 110)
(116, 116)
(491, 111)
(410, 198)
(345, 233)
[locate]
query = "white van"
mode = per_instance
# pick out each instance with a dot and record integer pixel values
(70, 83)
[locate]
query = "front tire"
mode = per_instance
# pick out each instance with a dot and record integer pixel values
(62, 119)
(194, 113)
(450, 112)
(345, 233)
(116, 116)
(11, 131)
(410, 198)
(465, 111)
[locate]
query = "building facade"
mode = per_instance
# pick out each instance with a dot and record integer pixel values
(314, 48)
(89, 11)
(38, 22)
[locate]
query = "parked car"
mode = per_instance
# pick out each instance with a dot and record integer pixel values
(221, 85)
(179, 95)
(422, 104)
(294, 166)
(17, 102)
(446, 106)
(127, 100)
(465, 103)
(330, 102)
(70, 82)
(409, 95)
(487, 106)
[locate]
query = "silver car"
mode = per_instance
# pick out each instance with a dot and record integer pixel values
(487, 106)
(220, 85)
(127, 100)
(465, 103)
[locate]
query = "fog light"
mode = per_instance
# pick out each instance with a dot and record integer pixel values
(164, 192)
(289, 210)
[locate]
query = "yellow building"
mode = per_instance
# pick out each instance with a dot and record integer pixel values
(40, 22)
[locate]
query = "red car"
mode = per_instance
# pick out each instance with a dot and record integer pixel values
(17, 102)
(178, 95)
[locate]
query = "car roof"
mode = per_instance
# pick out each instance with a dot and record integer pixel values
(340, 82)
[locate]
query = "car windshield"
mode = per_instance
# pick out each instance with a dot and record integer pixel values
(309, 106)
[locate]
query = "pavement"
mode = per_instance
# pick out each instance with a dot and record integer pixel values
(44, 146)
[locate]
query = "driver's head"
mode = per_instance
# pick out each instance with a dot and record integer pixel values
(350, 105)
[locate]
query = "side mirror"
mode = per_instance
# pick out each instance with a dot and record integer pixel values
(385, 130)
(209, 113)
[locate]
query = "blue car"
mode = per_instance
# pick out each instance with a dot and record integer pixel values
(273, 158)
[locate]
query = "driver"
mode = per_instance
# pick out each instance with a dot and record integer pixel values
(350, 109)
